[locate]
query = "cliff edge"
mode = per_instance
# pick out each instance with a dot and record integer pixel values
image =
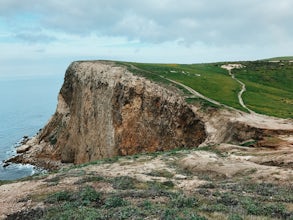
(244, 162)
(104, 110)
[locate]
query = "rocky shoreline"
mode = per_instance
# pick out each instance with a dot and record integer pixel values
(28, 153)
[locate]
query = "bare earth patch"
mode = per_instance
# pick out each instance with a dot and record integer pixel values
(187, 170)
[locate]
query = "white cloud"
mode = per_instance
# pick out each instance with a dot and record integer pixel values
(159, 21)
(162, 31)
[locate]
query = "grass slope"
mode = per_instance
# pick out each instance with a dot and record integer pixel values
(279, 58)
(208, 79)
(269, 87)
(269, 84)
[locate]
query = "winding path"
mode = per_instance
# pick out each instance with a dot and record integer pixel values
(229, 67)
(254, 119)
(192, 91)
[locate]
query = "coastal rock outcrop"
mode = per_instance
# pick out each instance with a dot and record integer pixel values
(104, 110)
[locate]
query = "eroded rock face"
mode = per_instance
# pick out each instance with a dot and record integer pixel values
(104, 111)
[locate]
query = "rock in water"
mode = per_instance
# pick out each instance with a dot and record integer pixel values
(23, 148)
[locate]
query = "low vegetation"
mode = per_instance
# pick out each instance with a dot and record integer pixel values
(215, 200)
(127, 197)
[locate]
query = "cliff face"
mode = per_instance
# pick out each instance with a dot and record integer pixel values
(104, 110)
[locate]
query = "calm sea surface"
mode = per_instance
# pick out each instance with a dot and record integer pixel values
(25, 106)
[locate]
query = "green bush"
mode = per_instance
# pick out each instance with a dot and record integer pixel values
(115, 201)
(123, 182)
(68, 211)
(88, 195)
(235, 217)
(58, 197)
(182, 201)
(84, 196)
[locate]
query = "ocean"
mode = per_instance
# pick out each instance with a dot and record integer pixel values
(26, 105)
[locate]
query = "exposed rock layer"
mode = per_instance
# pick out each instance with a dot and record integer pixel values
(104, 111)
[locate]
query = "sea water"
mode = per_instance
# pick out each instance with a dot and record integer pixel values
(26, 105)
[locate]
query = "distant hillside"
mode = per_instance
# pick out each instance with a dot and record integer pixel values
(268, 84)
(279, 58)
(269, 87)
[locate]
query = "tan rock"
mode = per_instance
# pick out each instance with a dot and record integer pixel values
(104, 110)
(23, 148)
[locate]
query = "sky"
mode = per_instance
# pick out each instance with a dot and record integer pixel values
(44, 37)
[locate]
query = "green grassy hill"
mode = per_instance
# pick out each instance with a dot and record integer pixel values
(269, 84)
(279, 58)
(269, 87)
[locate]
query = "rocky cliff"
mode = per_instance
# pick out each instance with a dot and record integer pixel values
(104, 110)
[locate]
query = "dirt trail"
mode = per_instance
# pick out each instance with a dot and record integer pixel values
(192, 91)
(229, 67)
(253, 119)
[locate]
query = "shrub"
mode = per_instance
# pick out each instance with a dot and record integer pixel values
(84, 196)
(182, 201)
(235, 217)
(87, 195)
(58, 197)
(123, 182)
(115, 201)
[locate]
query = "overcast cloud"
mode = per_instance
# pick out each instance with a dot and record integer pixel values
(147, 31)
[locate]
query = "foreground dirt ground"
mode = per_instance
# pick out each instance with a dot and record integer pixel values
(220, 177)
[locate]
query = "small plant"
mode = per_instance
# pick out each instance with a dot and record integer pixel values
(251, 207)
(180, 214)
(147, 205)
(275, 210)
(90, 179)
(114, 201)
(59, 197)
(88, 195)
(161, 173)
(68, 211)
(235, 217)
(160, 188)
(123, 182)
(182, 201)
(169, 214)
(214, 208)
(209, 185)
(228, 199)
(84, 196)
